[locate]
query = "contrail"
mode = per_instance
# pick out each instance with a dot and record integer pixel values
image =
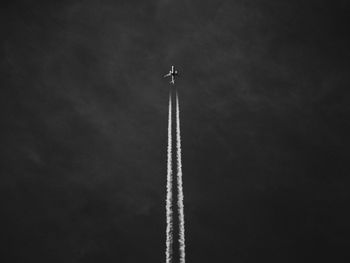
(180, 195)
(169, 196)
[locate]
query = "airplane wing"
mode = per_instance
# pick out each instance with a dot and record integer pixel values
(167, 75)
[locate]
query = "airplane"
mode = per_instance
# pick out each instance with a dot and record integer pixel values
(172, 73)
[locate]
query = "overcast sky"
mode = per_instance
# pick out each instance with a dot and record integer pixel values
(265, 110)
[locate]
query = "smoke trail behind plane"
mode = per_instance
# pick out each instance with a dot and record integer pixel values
(169, 197)
(180, 196)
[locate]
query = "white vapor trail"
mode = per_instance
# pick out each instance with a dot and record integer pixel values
(169, 196)
(180, 195)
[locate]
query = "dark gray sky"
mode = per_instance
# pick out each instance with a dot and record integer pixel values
(265, 109)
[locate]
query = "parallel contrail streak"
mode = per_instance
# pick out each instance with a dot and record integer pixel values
(180, 195)
(169, 196)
